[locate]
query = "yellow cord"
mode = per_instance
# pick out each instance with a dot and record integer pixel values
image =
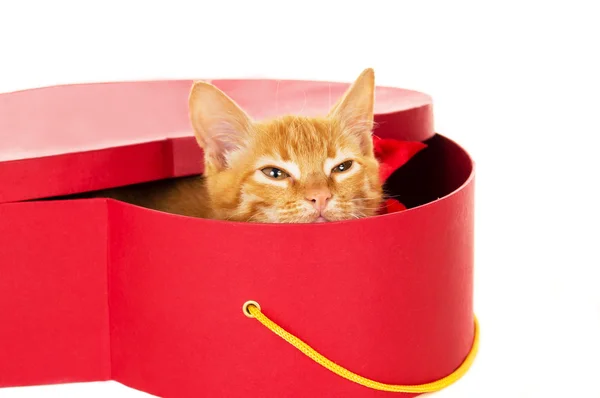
(252, 310)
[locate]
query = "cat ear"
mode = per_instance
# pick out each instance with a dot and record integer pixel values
(220, 125)
(354, 110)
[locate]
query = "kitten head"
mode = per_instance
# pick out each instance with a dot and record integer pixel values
(291, 169)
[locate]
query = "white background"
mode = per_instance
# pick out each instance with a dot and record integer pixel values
(517, 83)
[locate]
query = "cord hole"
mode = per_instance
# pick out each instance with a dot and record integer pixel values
(246, 305)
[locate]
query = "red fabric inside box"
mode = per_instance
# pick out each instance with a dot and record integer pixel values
(98, 289)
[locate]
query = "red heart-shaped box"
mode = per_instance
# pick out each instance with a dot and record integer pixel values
(96, 289)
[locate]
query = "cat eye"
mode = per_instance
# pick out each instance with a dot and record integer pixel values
(275, 173)
(342, 167)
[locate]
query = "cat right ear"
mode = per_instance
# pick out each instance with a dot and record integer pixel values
(221, 127)
(354, 109)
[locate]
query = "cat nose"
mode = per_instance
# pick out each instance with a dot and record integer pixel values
(319, 198)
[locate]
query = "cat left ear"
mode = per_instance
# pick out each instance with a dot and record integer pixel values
(355, 109)
(221, 127)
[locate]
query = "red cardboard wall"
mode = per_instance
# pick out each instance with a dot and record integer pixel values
(389, 298)
(54, 324)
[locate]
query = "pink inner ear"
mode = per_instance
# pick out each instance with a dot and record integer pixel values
(222, 139)
(393, 154)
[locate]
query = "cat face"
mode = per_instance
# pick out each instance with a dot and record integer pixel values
(291, 169)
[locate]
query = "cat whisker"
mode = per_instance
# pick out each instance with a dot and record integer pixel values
(357, 216)
(252, 217)
(238, 212)
(366, 198)
(362, 214)
(391, 196)
(277, 97)
(305, 102)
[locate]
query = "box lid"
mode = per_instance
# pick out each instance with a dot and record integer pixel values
(68, 139)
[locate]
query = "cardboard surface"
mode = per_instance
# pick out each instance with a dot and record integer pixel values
(53, 293)
(391, 302)
(99, 289)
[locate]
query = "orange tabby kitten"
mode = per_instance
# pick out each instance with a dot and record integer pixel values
(291, 169)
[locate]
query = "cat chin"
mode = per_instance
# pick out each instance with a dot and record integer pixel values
(321, 219)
